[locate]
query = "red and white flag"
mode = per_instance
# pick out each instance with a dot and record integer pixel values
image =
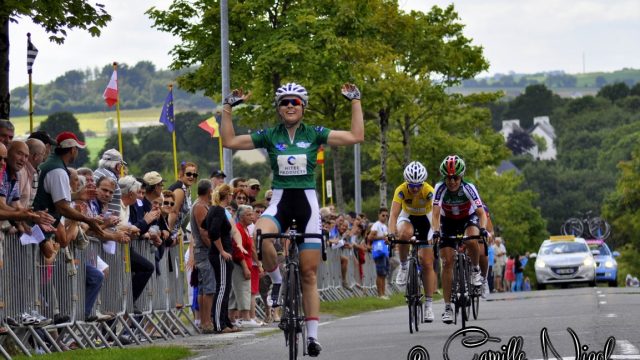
(110, 94)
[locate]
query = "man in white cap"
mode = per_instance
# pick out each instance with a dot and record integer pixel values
(111, 165)
(253, 189)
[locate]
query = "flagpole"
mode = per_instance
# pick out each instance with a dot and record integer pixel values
(30, 93)
(127, 257)
(173, 137)
(220, 153)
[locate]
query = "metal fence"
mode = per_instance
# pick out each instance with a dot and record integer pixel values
(33, 289)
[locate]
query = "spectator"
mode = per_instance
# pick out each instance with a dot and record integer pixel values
(217, 178)
(8, 213)
(240, 197)
(509, 274)
(18, 155)
(219, 227)
(28, 175)
(6, 132)
(499, 262)
(380, 250)
(253, 189)
(182, 196)
(267, 196)
(111, 165)
(341, 240)
(239, 183)
(241, 277)
(46, 140)
(201, 245)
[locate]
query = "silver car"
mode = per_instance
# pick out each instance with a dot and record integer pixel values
(564, 260)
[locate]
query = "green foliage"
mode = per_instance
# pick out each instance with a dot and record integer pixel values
(519, 141)
(614, 92)
(540, 142)
(513, 210)
(148, 352)
(537, 100)
(65, 121)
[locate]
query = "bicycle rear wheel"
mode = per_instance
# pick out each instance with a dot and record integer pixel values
(573, 226)
(599, 228)
(463, 277)
(475, 306)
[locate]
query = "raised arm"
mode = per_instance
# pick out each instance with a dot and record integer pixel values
(227, 133)
(356, 134)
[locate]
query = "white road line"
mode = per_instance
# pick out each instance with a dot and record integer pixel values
(603, 302)
(611, 315)
(627, 348)
(602, 295)
(325, 323)
(350, 317)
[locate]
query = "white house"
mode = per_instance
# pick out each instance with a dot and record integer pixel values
(541, 128)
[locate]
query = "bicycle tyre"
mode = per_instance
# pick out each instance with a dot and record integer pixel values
(455, 299)
(292, 307)
(410, 294)
(573, 226)
(475, 306)
(464, 287)
(599, 228)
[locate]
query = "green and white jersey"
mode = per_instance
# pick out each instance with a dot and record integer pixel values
(293, 162)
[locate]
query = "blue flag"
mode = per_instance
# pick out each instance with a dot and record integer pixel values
(167, 112)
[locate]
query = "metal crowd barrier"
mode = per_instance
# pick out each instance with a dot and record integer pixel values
(30, 285)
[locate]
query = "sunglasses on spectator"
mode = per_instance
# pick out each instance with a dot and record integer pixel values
(293, 102)
(170, 203)
(241, 198)
(269, 199)
(255, 187)
(415, 186)
(453, 177)
(190, 174)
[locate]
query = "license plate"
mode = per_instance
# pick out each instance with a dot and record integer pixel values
(564, 271)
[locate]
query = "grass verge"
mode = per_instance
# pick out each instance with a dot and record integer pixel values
(151, 352)
(356, 305)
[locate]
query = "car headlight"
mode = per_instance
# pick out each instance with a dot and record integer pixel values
(588, 262)
(608, 264)
(540, 263)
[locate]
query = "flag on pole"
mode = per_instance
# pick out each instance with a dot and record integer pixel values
(320, 158)
(110, 94)
(32, 52)
(167, 112)
(211, 126)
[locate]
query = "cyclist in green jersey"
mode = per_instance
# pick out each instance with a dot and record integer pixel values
(292, 147)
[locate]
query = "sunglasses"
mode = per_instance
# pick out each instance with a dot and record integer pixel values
(268, 199)
(241, 198)
(292, 102)
(255, 187)
(165, 203)
(190, 174)
(415, 186)
(453, 177)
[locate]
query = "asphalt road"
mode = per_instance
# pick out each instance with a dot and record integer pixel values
(593, 314)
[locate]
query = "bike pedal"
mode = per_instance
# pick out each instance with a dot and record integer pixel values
(283, 324)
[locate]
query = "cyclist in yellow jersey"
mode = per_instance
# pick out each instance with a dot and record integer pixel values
(410, 214)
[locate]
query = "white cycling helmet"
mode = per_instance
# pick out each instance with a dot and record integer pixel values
(415, 173)
(292, 89)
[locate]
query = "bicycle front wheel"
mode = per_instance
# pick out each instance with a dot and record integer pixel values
(475, 306)
(572, 226)
(599, 228)
(292, 307)
(463, 278)
(411, 295)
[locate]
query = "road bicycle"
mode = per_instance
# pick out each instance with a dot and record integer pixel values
(464, 295)
(292, 321)
(413, 290)
(587, 226)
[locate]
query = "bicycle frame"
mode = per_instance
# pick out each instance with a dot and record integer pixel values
(293, 319)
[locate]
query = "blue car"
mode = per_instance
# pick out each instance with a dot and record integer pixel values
(606, 265)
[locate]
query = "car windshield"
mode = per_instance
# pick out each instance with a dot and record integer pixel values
(563, 248)
(604, 250)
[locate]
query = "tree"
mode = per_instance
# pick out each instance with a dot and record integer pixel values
(614, 92)
(65, 121)
(519, 141)
(536, 100)
(56, 17)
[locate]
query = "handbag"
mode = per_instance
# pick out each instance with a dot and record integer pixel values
(82, 241)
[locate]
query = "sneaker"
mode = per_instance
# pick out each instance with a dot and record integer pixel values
(106, 316)
(11, 321)
(61, 319)
(384, 297)
(447, 316)
(39, 319)
(27, 319)
(485, 290)
(313, 347)
(476, 277)
(401, 278)
(125, 339)
(428, 314)
(251, 323)
(275, 295)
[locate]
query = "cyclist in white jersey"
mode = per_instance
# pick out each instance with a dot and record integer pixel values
(292, 147)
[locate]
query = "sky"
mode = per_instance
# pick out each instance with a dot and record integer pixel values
(523, 36)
